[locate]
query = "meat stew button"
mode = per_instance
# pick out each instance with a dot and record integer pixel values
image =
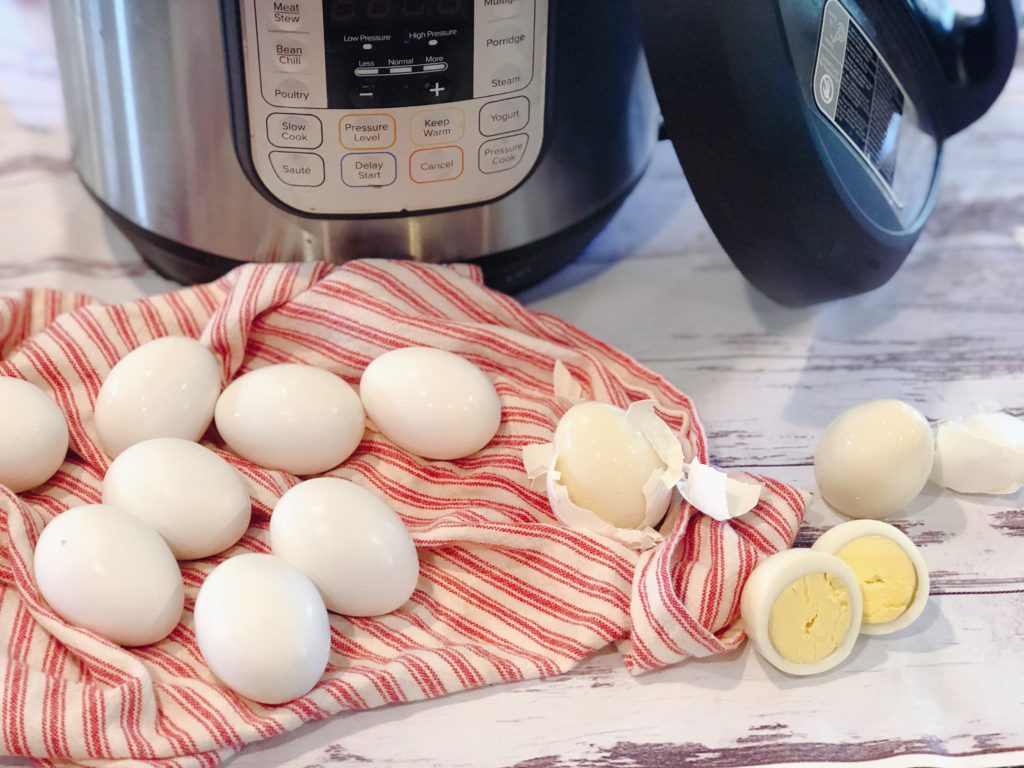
(441, 164)
(298, 169)
(369, 169)
(503, 154)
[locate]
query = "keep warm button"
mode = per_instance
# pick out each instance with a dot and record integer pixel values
(369, 169)
(430, 165)
(298, 169)
(503, 154)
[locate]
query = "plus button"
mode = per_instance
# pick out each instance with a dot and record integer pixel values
(437, 90)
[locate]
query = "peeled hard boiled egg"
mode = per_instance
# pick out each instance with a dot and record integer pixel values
(194, 499)
(605, 462)
(349, 543)
(296, 418)
(889, 567)
(802, 611)
(33, 435)
(165, 388)
(430, 402)
(106, 570)
(874, 459)
(262, 628)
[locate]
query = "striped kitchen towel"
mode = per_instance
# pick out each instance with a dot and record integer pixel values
(505, 593)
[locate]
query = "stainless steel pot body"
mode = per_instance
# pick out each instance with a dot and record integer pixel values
(148, 105)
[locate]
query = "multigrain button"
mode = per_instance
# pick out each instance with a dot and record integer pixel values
(438, 126)
(442, 164)
(503, 154)
(289, 54)
(369, 169)
(288, 15)
(298, 169)
(504, 9)
(504, 116)
(294, 131)
(367, 131)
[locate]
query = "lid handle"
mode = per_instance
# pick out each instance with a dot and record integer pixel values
(976, 54)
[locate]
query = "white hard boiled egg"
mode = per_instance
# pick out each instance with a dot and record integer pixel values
(262, 628)
(802, 611)
(193, 497)
(165, 388)
(889, 567)
(349, 543)
(106, 570)
(431, 402)
(874, 459)
(296, 418)
(33, 435)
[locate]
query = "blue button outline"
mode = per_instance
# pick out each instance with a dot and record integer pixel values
(341, 170)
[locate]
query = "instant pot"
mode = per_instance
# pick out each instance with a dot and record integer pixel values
(507, 132)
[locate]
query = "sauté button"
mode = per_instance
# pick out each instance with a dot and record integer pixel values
(504, 116)
(438, 126)
(430, 165)
(503, 154)
(298, 169)
(367, 131)
(294, 131)
(369, 169)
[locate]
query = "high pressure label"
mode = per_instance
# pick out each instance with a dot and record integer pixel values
(858, 92)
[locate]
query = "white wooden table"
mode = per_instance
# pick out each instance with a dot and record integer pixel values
(947, 333)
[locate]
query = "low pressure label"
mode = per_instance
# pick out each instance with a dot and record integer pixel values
(856, 90)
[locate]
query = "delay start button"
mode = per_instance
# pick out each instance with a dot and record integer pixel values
(503, 154)
(367, 131)
(369, 169)
(294, 131)
(298, 169)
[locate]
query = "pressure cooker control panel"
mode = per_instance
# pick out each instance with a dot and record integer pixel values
(385, 106)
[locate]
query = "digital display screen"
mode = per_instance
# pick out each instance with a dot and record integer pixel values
(347, 11)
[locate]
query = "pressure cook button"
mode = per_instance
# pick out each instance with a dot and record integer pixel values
(369, 169)
(288, 15)
(290, 92)
(289, 54)
(294, 131)
(430, 165)
(367, 131)
(507, 77)
(504, 9)
(298, 169)
(438, 126)
(503, 154)
(504, 116)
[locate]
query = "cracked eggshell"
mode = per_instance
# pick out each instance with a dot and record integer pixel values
(767, 583)
(980, 454)
(613, 446)
(836, 538)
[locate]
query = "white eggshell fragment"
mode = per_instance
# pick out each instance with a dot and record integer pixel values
(874, 459)
(873, 573)
(165, 388)
(777, 603)
(349, 543)
(33, 435)
(106, 570)
(980, 454)
(431, 402)
(262, 628)
(296, 418)
(189, 494)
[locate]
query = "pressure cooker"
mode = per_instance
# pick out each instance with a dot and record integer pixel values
(507, 132)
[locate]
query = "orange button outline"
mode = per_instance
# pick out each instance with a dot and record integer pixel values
(394, 130)
(439, 108)
(462, 167)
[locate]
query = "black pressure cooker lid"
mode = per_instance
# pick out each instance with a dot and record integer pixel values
(810, 133)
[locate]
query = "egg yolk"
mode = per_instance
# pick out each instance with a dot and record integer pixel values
(888, 579)
(810, 619)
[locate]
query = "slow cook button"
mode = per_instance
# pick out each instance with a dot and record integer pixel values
(298, 169)
(504, 116)
(438, 126)
(288, 15)
(442, 164)
(369, 169)
(503, 154)
(367, 131)
(294, 131)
